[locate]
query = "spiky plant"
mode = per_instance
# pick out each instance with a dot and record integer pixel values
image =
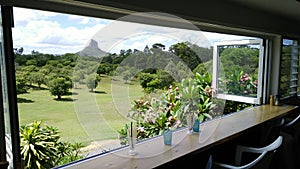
(38, 145)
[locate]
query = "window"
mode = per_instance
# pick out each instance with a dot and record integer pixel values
(289, 71)
(237, 74)
(141, 62)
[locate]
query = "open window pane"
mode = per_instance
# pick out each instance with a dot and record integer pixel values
(237, 70)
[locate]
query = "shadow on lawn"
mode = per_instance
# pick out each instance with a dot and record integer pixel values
(71, 93)
(67, 99)
(128, 83)
(37, 88)
(22, 100)
(99, 92)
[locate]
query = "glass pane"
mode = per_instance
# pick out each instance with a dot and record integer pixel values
(289, 78)
(139, 76)
(5, 99)
(240, 66)
(238, 69)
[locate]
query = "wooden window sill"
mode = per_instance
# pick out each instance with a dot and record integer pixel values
(153, 153)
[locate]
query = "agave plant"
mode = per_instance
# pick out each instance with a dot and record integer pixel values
(38, 145)
(190, 95)
(41, 147)
(195, 96)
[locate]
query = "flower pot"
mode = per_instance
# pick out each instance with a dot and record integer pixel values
(196, 126)
(167, 134)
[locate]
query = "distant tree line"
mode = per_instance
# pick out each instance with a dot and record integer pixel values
(155, 67)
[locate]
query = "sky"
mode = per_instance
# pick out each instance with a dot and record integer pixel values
(57, 33)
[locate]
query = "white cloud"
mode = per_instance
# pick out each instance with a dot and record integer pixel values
(85, 21)
(126, 35)
(139, 41)
(79, 19)
(22, 15)
(56, 33)
(38, 31)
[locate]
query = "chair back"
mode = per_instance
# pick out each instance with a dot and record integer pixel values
(262, 161)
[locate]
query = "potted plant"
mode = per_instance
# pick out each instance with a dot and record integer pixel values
(167, 110)
(196, 100)
(155, 116)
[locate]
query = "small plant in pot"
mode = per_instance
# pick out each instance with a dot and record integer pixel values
(196, 101)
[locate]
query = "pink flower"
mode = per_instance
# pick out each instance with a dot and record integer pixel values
(141, 129)
(146, 103)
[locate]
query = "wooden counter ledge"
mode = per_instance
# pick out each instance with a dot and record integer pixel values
(153, 152)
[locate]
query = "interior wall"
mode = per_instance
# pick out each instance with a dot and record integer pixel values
(220, 12)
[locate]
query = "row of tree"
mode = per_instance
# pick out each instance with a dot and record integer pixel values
(155, 66)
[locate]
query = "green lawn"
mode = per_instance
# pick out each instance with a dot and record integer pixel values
(84, 116)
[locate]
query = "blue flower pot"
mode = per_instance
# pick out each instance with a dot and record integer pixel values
(167, 134)
(196, 126)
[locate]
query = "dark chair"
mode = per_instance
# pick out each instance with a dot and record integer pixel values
(263, 156)
(288, 155)
(258, 137)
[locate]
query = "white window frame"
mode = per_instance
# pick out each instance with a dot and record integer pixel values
(245, 99)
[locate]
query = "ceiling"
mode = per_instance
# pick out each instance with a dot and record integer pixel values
(272, 16)
(287, 8)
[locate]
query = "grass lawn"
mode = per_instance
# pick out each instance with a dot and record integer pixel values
(83, 116)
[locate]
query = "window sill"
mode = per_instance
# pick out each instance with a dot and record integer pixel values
(153, 153)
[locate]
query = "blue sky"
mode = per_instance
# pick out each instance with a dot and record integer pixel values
(57, 33)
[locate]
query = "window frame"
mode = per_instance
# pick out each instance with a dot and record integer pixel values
(216, 68)
(220, 29)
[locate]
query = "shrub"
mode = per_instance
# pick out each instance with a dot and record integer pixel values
(41, 147)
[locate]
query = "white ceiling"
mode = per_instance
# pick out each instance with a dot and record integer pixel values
(289, 8)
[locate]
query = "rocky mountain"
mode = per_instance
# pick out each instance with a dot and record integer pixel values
(92, 49)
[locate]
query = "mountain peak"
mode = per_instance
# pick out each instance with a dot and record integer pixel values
(92, 49)
(93, 44)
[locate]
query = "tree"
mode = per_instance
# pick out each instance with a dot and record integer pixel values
(18, 51)
(126, 75)
(77, 76)
(92, 81)
(59, 86)
(240, 59)
(146, 49)
(183, 51)
(20, 85)
(38, 78)
(158, 46)
(165, 79)
(146, 78)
